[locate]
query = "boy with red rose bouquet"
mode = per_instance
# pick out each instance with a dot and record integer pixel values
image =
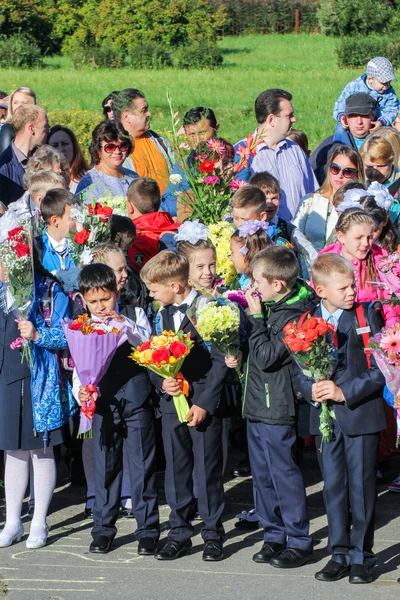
(269, 407)
(354, 394)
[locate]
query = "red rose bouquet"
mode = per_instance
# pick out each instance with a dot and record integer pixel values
(311, 342)
(164, 354)
(90, 228)
(17, 263)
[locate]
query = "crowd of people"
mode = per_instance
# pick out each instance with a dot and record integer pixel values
(306, 233)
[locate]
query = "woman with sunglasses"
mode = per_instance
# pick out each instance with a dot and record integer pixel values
(107, 106)
(107, 177)
(316, 216)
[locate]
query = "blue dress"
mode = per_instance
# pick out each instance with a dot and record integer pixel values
(96, 184)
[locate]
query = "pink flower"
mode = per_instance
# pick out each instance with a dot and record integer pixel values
(217, 146)
(211, 179)
(201, 157)
(391, 342)
(236, 184)
(184, 146)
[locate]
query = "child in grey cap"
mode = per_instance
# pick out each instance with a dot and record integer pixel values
(375, 82)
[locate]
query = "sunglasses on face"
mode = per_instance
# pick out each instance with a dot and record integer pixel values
(107, 109)
(111, 148)
(348, 172)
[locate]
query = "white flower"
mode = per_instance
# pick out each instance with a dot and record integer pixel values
(86, 256)
(192, 232)
(176, 179)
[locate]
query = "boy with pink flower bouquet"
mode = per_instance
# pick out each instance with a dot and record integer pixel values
(123, 416)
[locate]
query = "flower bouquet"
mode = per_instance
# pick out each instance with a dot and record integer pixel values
(118, 204)
(389, 274)
(385, 347)
(220, 235)
(164, 355)
(92, 345)
(218, 323)
(17, 262)
(311, 342)
(92, 228)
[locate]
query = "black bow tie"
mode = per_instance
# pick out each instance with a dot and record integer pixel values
(174, 309)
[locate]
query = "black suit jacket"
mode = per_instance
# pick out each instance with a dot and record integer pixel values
(204, 369)
(11, 368)
(363, 411)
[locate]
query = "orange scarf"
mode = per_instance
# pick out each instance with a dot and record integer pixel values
(149, 162)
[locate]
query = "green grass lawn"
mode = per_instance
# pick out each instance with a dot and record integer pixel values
(304, 65)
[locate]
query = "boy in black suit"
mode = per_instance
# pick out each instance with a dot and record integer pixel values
(199, 440)
(350, 462)
(124, 415)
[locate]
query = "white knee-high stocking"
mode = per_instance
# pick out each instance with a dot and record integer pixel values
(45, 474)
(16, 481)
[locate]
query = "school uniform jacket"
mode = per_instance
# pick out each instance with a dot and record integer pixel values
(363, 411)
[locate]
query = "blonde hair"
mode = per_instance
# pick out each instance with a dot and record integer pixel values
(43, 160)
(102, 251)
(346, 221)
(255, 242)
(391, 135)
(26, 113)
(328, 265)
(379, 149)
(249, 196)
(43, 181)
(23, 90)
(165, 267)
(189, 249)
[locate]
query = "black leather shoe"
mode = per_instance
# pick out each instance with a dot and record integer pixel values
(360, 574)
(291, 558)
(101, 544)
(243, 469)
(213, 550)
(173, 550)
(333, 571)
(247, 525)
(268, 551)
(88, 512)
(147, 546)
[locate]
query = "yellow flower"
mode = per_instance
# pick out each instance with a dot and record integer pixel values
(220, 235)
(159, 341)
(172, 360)
(146, 356)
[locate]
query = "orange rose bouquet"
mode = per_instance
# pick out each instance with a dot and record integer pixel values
(312, 343)
(164, 355)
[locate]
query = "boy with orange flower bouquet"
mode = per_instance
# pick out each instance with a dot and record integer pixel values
(354, 397)
(123, 415)
(195, 439)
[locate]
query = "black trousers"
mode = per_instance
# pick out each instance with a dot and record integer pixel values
(186, 447)
(117, 425)
(349, 466)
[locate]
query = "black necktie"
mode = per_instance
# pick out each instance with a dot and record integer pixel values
(172, 310)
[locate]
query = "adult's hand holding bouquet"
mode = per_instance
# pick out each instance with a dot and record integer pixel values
(311, 342)
(385, 347)
(164, 355)
(92, 345)
(18, 290)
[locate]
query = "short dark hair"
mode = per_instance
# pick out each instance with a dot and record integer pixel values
(122, 232)
(269, 103)
(194, 115)
(124, 99)
(279, 263)
(54, 203)
(144, 193)
(3, 94)
(107, 131)
(266, 182)
(97, 277)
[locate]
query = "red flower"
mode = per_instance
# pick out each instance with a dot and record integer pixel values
(22, 250)
(100, 332)
(288, 339)
(161, 355)
(289, 329)
(311, 335)
(81, 237)
(207, 166)
(145, 346)
(306, 347)
(178, 349)
(310, 323)
(322, 328)
(16, 234)
(76, 326)
(93, 210)
(106, 211)
(296, 345)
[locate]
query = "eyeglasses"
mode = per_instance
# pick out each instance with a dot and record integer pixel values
(348, 172)
(107, 109)
(111, 148)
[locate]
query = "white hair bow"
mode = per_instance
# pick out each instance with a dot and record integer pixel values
(382, 196)
(192, 232)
